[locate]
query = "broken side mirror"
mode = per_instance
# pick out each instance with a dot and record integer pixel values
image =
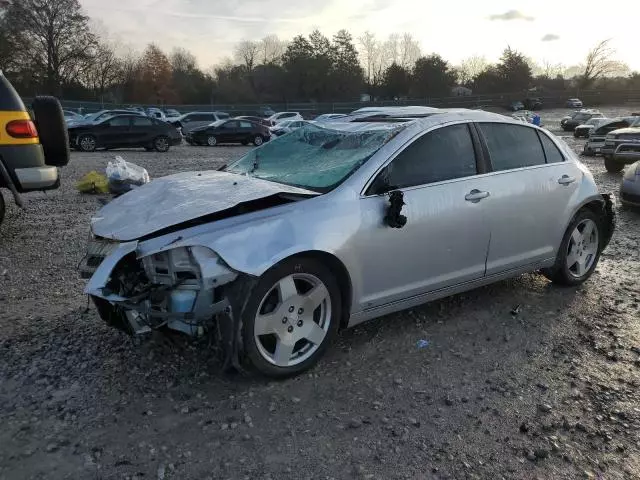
(394, 217)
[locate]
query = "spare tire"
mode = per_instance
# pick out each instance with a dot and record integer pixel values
(52, 130)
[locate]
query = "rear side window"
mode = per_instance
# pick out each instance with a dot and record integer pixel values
(512, 146)
(245, 125)
(442, 154)
(142, 122)
(550, 149)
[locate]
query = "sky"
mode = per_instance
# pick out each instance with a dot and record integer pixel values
(552, 31)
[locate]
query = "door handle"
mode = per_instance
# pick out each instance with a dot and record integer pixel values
(475, 195)
(566, 180)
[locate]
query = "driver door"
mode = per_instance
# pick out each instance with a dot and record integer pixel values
(116, 132)
(446, 238)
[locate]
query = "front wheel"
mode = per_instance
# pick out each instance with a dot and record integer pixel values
(258, 140)
(161, 144)
(579, 251)
(291, 317)
(87, 143)
(612, 166)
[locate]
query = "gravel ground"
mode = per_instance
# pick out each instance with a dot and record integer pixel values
(546, 390)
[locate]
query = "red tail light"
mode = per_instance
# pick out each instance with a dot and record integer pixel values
(22, 129)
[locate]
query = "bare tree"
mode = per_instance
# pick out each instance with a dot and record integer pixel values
(104, 70)
(409, 50)
(369, 54)
(57, 34)
(471, 67)
(549, 69)
(271, 49)
(182, 60)
(246, 52)
(600, 63)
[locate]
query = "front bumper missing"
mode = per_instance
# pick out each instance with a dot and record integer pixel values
(186, 289)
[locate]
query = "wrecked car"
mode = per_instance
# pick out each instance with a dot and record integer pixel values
(326, 228)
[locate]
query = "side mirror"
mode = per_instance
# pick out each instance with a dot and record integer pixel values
(394, 217)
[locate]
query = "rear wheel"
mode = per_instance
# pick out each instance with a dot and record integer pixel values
(258, 140)
(291, 317)
(579, 251)
(212, 141)
(161, 144)
(612, 165)
(87, 143)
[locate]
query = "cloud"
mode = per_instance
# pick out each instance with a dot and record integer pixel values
(511, 15)
(550, 37)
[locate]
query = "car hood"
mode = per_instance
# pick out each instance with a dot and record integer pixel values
(626, 131)
(181, 198)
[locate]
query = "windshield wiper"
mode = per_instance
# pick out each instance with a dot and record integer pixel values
(255, 163)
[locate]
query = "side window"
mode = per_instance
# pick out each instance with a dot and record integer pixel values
(550, 149)
(142, 122)
(245, 125)
(614, 126)
(229, 125)
(512, 146)
(119, 122)
(442, 154)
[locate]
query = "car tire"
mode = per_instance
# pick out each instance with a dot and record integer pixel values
(258, 140)
(52, 130)
(212, 141)
(161, 144)
(87, 143)
(323, 322)
(575, 245)
(612, 166)
(2, 208)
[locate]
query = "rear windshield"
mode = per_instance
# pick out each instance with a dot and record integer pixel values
(313, 157)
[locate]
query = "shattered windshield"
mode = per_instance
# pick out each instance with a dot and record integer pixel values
(314, 157)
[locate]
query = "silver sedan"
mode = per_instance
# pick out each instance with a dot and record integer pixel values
(326, 228)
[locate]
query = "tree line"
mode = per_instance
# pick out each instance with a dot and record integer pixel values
(49, 46)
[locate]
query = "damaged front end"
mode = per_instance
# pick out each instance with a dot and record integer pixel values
(183, 289)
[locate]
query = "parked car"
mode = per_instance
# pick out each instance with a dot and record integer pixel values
(156, 113)
(100, 116)
(621, 147)
(137, 109)
(229, 131)
(597, 137)
(170, 113)
(124, 131)
(189, 121)
(532, 103)
(574, 103)
(630, 186)
(31, 147)
(515, 106)
(327, 228)
(329, 116)
(262, 121)
(287, 126)
(570, 122)
(70, 115)
(282, 116)
(583, 130)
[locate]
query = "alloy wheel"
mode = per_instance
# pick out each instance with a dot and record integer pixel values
(583, 248)
(88, 143)
(292, 320)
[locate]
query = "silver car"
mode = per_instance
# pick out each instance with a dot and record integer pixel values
(630, 186)
(326, 228)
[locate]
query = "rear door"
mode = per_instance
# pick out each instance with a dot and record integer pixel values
(246, 131)
(228, 132)
(531, 186)
(446, 237)
(142, 131)
(115, 132)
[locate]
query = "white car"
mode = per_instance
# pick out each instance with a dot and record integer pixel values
(282, 116)
(329, 116)
(574, 103)
(287, 126)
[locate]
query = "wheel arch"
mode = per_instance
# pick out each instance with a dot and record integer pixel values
(338, 269)
(602, 205)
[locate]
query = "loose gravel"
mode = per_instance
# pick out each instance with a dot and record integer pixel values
(520, 379)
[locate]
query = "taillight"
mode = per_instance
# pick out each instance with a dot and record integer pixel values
(22, 129)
